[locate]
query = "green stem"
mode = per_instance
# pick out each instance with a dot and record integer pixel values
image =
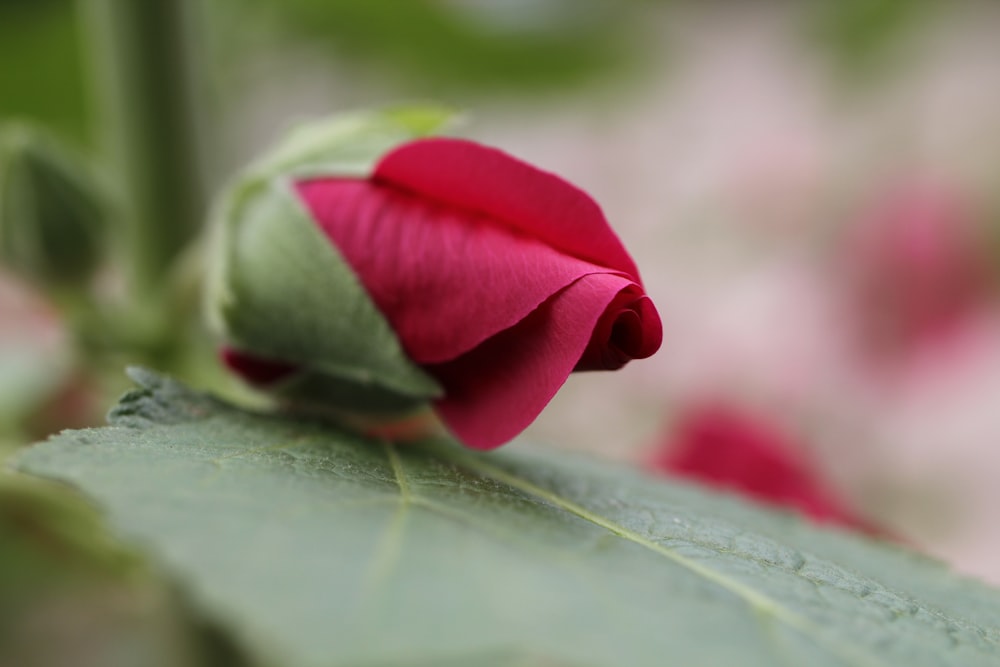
(141, 53)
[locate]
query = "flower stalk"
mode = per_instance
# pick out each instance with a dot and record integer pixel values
(144, 90)
(142, 73)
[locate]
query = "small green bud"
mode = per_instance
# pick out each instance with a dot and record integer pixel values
(51, 216)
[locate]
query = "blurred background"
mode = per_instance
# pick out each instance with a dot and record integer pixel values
(810, 190)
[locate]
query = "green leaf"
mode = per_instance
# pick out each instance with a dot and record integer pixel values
(315, 546)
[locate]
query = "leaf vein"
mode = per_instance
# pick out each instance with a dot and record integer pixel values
(758, 602)
(389, 548)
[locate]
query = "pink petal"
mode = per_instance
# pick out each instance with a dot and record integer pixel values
(495, 391)
(256, 370)
(445, 279)
(473, 177)
(630, 328)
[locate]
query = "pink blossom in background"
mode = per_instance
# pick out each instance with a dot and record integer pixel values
(729, 448)
(36, 363)
(917, 268)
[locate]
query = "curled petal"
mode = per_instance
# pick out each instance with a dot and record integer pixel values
(470, 176)
(629, 329)
(495, 391)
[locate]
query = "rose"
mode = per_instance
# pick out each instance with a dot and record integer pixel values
(498, 280)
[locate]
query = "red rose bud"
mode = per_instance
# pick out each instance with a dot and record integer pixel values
(496, 280)
(725, 448)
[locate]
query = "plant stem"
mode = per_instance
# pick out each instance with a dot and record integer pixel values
(140, 53)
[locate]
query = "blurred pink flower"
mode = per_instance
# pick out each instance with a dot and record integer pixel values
(728, 448)
(917, 268)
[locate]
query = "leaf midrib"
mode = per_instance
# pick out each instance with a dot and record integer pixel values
(758, 602)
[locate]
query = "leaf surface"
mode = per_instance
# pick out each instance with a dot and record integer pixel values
(315, 546)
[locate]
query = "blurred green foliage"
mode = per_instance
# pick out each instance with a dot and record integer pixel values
(509, 45)
(47, 534)
(41, 69)
(52, 215)
(861, 35)
(72, 595)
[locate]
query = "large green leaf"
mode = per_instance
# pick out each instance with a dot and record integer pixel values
(315, 546)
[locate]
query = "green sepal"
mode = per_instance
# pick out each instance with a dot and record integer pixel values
(281, 290)
(52, 213)
(348, 144)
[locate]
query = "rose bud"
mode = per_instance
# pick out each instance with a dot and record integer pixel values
(445, 271)
(51, 216)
